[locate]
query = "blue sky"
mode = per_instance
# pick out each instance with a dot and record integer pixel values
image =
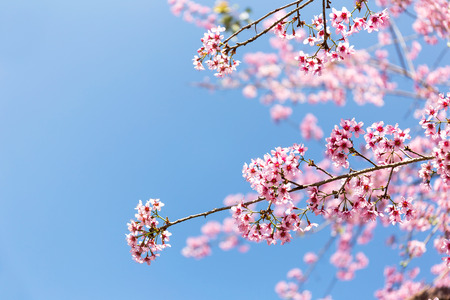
(97, 111)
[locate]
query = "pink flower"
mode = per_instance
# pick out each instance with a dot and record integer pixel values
(310, 258)
(446, 246)
(279, 112)
(296, 273)
(384, 38)
(211, 229)
(416, 248)
(249, 91)
(196, 247)
(415, 50)
(394, 215)
(309, 128)
(310, 40)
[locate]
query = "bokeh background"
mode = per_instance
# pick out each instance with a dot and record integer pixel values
(97, 111)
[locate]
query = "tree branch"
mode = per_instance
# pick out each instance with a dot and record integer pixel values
(403, 56)
(368, 170)
(402, 71)
(267, 29)
(260, 19)
(302, 187)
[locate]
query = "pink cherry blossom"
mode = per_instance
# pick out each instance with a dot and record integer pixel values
(279, 112)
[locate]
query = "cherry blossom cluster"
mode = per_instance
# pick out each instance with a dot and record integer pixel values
(264, 225)
(201, 246)
(200, 15)
(416, 248)
(361, 199)
(309, 128)
(433, 17)
(401, 208)
(339, 144)
(278, 79)
(269, 177)
(372, 22)
(395, 7)
(290, 290)
(403, 285)
(398, 285)
(436, 78)
(445, 248)
(437, 127)
(144, 232)
(342, 259)
(386, 142)
(279, 112)
(219, 60)
(341, 21)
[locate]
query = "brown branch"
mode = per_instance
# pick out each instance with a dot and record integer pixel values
(302, 187)
(387, 185)
(311, 163)
(260, 19)
(325, 33)
(232, 49)
(354, 151)
(410, 150)
(368, 170)
(204, 214)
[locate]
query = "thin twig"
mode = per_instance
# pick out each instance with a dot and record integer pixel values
(410, 14)
(248, 26)
(400, 70)
(204, 214)
(440, 57)
(387, 185)
(427, 239)
(401, 93)
(399, 36)
(378, 46)
(290, 181)
(406, 154)
(353, 150)
(414, 152)
(311, 163)
(232, 49)
(334, 280)
(319, 258)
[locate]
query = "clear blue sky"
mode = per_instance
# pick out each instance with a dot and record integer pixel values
(96, 112)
